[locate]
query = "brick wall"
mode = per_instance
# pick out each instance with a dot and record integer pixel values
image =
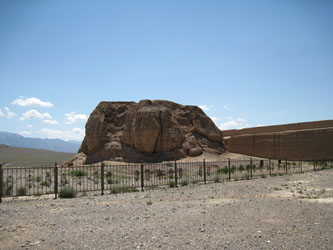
(291, 144)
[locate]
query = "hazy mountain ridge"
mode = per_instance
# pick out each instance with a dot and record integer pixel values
(16, 140)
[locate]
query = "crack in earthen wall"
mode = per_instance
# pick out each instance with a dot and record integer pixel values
(160, 132)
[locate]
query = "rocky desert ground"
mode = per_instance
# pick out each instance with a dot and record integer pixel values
(285, 212)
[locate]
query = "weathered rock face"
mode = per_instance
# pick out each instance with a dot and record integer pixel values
(149, 131)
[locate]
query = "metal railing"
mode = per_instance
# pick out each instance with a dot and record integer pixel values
(25, 181)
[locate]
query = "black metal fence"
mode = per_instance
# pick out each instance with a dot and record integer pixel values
(24, 181)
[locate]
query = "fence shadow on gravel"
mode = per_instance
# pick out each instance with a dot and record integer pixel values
(25, 181)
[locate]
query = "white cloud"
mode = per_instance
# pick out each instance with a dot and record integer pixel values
(226, 107)
(29, 126)
(25, 133)
(7, 114)
(73, 134)
(34, 114)
(50, 121)
(215, 119)
(73, 117)
(205, 107)
(234, 123)
(31, 102)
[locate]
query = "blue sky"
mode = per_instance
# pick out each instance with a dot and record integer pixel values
(246, 63)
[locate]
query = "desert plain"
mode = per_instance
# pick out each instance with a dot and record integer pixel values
(284, 212)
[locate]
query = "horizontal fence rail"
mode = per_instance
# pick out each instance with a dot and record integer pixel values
(38, 180)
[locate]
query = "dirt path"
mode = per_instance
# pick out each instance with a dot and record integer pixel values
(287, 212)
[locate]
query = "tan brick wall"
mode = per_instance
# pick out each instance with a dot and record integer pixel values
(279, 128)
(306, 144)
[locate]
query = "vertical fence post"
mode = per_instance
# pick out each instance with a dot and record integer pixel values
(1, 182)
(142, 176)
(270, 167)
(204, 168)
(286, 166)
(314, 165)
(251, 166)
(229, 169)
(55, 181)
(102, 178)
(176, 176)
(301, 167)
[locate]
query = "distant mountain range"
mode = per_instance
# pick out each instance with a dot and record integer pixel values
(16, 140)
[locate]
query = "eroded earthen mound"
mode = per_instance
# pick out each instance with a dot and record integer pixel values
(149, 131)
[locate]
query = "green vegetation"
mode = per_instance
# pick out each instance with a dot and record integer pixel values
(172, 184)
(149, 203)
(7, 189)
(77, 173)
(224, 170)
(117, 189)
(21, 191)
(184, 183)
(216, 179)
(67, 192)
(45, 184)
(110, 180)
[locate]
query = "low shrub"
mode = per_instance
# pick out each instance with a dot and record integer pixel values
(67, 192)
(21, 191)
(45, 183)
(110, 180)
(224, 170)
(118, 190)
(7, 189)
(184, 183)
(263, 175)
(149, 203)
(216, 179)
(77, 173)
(172, 184)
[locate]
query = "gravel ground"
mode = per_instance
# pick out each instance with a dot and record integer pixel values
(286, 212)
